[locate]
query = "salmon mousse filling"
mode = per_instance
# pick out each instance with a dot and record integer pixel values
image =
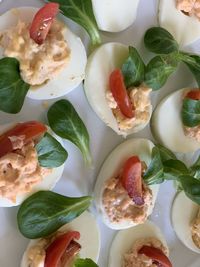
(141, 252)
(140, 106)
(27, 158)
(189, 7)
(195, 230)
(20, 171)
(39, 62)
(191, 101)
(126, 197)
(61, 248)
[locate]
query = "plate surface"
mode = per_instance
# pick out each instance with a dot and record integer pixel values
(78, 180)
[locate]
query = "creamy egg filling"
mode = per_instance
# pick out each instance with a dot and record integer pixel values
(36, 253)
(134, 258)
(120, 207)
(195, 230)
(20, 171)
(38, 63)
(141, 103)
(189, 7)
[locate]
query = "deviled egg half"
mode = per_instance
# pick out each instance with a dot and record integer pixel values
(122, 197)
(115, 16)
(186, 221)
(52, 59)
(125, 110)
(142, 245)
(77, 239)
(181, 18)
(21, 172)
(172, 121)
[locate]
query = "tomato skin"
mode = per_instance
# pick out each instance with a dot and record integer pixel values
(30, 130)
(132, 179)
(69, 254)
(156, 255)
(119, 93)
(57, 248)
(42, 22)
(194, 95)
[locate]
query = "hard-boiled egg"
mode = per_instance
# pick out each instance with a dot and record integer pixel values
(47, 183)
(184, 212)
(115, 16)
(89, 240)
(112, 166)
(74, 72)
(100, 65)
(124, 240)
(167, 125)
(185, 29)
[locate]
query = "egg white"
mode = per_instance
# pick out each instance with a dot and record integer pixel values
(124, 240)
(111, 166)
(115, 15)
(90, 237)
(47, 183)
(185, 29)
(167, 127)
(73, 73)
(184, 212)
(100, 65)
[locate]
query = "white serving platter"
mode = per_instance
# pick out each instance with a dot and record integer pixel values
(77, 179)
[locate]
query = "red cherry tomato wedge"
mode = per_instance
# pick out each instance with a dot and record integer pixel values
(156, 255)
(42, 22)
(119, 93)
(70, 252)
(58, 248)
(29, 130)
(132, 179)
(194, 95)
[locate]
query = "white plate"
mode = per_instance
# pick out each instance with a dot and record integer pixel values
(79, 180)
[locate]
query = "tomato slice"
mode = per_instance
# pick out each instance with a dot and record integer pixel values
(70, 252)
(156, 255)
(119, 93)
(194, 95)
(42, 22)
(132, 179)
(28, 130)
(59, 247)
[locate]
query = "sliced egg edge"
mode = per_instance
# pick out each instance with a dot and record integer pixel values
(90, 237)
(167, 115)
(124, 240)
(183, 213)
(74, 72)
(100, 64)
(111, 167)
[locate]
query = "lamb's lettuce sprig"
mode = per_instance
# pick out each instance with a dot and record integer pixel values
(165, 166)
(161, 42)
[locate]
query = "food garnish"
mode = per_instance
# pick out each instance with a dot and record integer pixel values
(50, 152)
(160, 41)
(62, 250)
(119, 93)
(132, 179)
(12, 88)
(28, 131)
(66, 123)
(158, 257)
(57, 210)
(186, 179)
(42, 22)
(82, 13)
